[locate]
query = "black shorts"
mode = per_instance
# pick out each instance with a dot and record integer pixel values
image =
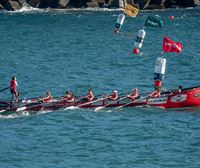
(14, 92)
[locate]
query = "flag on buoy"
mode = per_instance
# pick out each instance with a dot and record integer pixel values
(153, 22)
(171, 46)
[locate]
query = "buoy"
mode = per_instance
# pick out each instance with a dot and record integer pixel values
(171, 17)
(139, 40)
(157, 83)
(119, 22)
(116, 30)
(160, 66)
(136, 51)
(159, 71)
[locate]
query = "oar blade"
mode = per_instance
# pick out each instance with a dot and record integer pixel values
(1, 111)
(71, 108)
(21, 109)
(99, 108)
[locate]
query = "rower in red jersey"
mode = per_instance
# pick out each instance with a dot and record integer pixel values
(156, 93)
(133, 95)
(114, 95)
(90, 95)
(69, 97)
(13, 88)
(48, 98)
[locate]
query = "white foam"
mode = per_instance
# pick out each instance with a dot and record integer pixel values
(15, 115)
(26, 8)
(45, 111)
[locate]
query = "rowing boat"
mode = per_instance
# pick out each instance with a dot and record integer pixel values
(189, 97)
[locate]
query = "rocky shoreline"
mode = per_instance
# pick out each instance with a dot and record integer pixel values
(12, 5)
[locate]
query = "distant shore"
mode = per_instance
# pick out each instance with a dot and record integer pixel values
(12, 5)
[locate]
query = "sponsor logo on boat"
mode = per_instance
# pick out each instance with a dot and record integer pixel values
(157, 100)
(179, 98)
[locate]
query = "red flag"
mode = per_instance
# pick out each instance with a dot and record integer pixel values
(171, 46)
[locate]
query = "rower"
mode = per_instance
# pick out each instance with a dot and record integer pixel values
(89, 96)
(48, 98)
(114, 95)
(134, 94)
(180, 89)
(156, 93)
(69, 97)
(13, 88)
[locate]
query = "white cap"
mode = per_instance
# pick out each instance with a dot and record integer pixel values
(115, 91)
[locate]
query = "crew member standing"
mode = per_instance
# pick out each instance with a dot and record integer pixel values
(13, 88)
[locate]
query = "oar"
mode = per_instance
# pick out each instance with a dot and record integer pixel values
(84, 104)
(20, 108)
(4, 89)
(134, 101)
(25, 107)
(102, 107)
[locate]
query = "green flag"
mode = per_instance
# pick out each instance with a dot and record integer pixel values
(153, 22)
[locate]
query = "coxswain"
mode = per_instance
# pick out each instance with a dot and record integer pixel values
(156, 93)
(114, 95)
(13, 88)
(180, 89)
(90, 95)
(69, 97)
(48, 98)
(133, 95)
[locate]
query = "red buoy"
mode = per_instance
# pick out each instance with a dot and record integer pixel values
(116, 30)
(136, 51)
(171, 17)
(157, 83)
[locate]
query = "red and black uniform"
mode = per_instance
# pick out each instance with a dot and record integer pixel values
(155, 94)
(47, 99)
(69, 98)
(90, 96)
(113, 96)
(133, 95)
(13, 87)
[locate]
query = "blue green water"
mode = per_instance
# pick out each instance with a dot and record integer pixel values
(76, 50)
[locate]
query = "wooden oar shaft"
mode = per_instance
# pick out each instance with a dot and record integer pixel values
(90, 102)
(13, 108)
(100, 108)
(115, 101)
(134, 101)
(84, 104)
(22, 107)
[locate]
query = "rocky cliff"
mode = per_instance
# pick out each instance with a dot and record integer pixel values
(60, 4)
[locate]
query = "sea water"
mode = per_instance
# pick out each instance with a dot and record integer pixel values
(74, 50)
